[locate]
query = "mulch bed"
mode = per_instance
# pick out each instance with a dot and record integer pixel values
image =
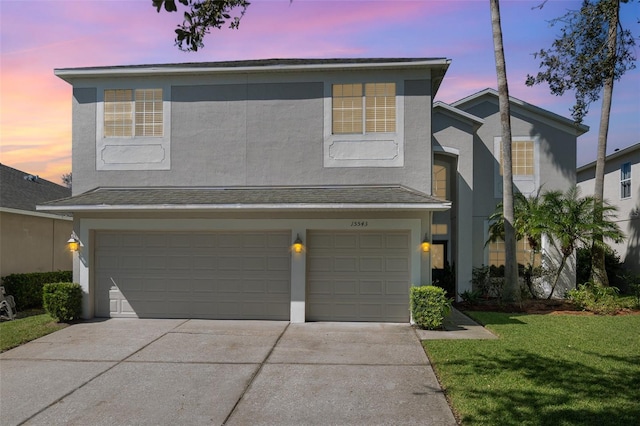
(534, 306)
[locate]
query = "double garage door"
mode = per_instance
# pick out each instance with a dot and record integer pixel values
(221, 275)
(351, 275)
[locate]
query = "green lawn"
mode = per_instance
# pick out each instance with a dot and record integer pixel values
(544, 370)
(15, 333)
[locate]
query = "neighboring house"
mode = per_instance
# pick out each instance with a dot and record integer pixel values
(621, 189)
(193, 181)
(31, 241)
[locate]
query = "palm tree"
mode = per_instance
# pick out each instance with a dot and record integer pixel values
(575, 221)
(529, 224)
(568, 220)
(511, 292)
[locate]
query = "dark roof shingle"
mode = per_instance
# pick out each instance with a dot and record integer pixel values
(23, 191)
(247, 197)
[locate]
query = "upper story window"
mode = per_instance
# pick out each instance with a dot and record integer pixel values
(440, 177)
(129, 113)
(525, 164)
(364, 108)
(625, 180)
(522, 161)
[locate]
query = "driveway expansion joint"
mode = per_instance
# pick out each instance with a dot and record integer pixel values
(253, 377)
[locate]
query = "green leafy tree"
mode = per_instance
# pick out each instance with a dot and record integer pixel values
(511, 292)
(200, 16)
(591, 52)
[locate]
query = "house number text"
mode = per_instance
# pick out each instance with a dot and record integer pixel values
(359, 224)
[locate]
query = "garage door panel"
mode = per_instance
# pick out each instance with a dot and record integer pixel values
(230, 263)
(205, 263)
(179, 262)
(371, 241)
(319, 263)
(372, 287)
(345, 264)
(254, 263)
(133, 262)
(278, 287)
(397, 241)
(371, 311)
(254, 241)
(156, 262)
(281, 241)
(358, 275)
(228, 275)
(345, 241)
(251, 286)
(107, 261)
(319, 287)
(372, 264)
(131, 241)
(230, 241)
(344, 287)
(397, 264)
(320, 241)
(280, 263)
(396, 288)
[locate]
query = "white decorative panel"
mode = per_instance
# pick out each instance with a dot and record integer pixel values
(132, 154)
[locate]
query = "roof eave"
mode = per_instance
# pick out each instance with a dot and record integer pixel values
(68, 74)
(442, 206)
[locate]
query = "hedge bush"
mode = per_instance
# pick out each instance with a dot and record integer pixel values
(63, 301)
(429, 306)
(26, 289)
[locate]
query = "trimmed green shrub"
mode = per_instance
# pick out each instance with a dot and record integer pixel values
(63, 301)
(429, 306)
(593, 298)
(26, 289)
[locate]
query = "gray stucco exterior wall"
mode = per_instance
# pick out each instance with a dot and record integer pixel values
(263, 133)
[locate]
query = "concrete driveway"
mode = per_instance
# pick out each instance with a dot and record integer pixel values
(200, 372)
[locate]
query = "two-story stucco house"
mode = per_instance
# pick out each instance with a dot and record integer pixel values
(193, 182)
(621, 189)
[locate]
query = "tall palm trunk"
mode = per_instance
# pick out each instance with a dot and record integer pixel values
(511, 292)
(598, 270)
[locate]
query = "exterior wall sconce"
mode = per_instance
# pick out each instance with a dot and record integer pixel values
(425, 246)
(297, 244)
(73, 243)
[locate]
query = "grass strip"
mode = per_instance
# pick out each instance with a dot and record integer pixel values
(19, 331)
(544, 370)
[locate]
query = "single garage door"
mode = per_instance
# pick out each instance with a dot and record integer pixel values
(358, 276)
(215, 275)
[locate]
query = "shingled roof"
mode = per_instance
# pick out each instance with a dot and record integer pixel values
(23, 191)
(259, 198)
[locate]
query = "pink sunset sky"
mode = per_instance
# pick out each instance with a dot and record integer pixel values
(38, 36)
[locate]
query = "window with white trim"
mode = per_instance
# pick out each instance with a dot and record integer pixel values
(522, 161)
(129, 113)
(525, 162)
(363, 108)
(625, 180)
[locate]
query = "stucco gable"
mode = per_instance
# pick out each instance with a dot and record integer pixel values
(440, 107)
(490, 95)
